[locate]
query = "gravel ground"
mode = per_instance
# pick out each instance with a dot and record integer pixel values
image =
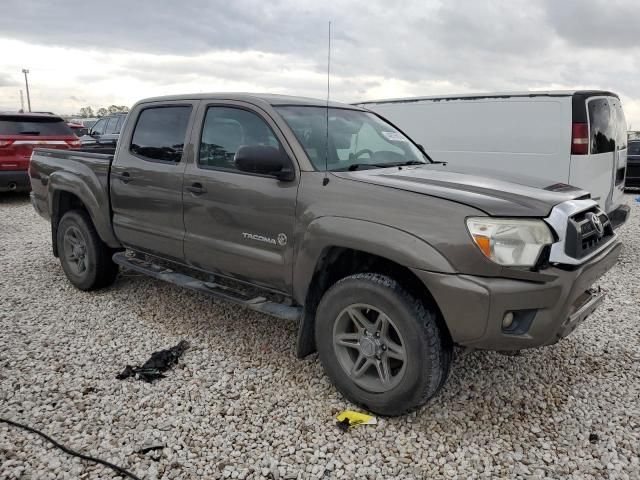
(240, 405)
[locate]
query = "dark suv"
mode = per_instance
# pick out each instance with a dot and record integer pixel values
(633, 165)
(104, 132)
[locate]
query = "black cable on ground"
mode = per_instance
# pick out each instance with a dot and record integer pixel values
(68, 451)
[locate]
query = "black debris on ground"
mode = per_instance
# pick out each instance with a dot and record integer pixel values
(159, 362)
(593, 437)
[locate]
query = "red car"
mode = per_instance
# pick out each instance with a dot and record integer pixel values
(20, 133)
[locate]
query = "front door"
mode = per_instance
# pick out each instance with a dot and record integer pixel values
(146, 179)
(237, 224)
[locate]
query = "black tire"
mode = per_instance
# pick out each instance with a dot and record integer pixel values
(427, 352)
(99, 269)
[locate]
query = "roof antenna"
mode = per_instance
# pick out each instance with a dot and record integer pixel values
(325, 180)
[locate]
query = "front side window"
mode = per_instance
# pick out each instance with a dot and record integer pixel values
(99, 127)
(227, 129)
(634, 148)
(160, 133)
(355, 139)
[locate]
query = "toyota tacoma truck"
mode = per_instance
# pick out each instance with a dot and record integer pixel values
(328, 215)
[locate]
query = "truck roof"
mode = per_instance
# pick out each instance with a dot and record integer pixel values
(256, 98)
(479, 96)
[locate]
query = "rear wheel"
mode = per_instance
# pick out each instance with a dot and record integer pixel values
(85, 258)
(380, 346)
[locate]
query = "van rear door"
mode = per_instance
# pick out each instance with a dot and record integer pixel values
(600, 168)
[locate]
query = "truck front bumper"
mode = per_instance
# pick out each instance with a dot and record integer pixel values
(474, 308)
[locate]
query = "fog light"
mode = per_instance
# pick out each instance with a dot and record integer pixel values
(507, 321)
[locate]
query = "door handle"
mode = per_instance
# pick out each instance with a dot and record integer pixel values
(124, 177)
(197, 188)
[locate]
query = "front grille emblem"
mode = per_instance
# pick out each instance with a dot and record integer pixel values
(597, 224)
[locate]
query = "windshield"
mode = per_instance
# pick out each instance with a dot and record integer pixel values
(356, 139)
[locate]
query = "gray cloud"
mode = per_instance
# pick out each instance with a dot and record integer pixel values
(596, 23)
(481, 46)
(7, 81)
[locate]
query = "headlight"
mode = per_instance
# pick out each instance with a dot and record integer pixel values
(507, 241)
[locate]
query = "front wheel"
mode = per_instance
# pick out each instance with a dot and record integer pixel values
(380, 346)
(85, 258)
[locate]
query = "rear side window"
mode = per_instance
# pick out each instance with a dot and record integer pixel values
(634, 148)
(160, 133)
(111, 126)
(120, 122)
(21, 125)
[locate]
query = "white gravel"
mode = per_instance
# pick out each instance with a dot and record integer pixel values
(240, 405)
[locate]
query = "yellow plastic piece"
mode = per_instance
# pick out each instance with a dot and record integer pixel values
(356, 418)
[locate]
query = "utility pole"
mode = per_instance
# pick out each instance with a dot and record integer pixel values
(26, 82)
(21, 102)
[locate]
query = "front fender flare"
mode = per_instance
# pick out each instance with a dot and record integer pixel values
(384, 241)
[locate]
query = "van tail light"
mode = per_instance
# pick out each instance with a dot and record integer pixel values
(5, 143)
(579, 139)
(73, 143)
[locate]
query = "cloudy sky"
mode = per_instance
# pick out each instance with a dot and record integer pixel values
(86, 53)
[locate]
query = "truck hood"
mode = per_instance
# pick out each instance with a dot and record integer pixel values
(495, 193)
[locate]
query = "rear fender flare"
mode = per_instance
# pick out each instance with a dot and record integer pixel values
(83, 187)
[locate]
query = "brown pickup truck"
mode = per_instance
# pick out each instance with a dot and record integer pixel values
(330, 216)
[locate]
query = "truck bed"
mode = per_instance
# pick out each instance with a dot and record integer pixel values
(63, 175)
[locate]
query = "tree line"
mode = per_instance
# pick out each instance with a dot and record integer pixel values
(89, 112)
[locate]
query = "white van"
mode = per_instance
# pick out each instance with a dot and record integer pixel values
(574, 137)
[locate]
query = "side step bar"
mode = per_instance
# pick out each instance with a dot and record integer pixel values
(260, 304)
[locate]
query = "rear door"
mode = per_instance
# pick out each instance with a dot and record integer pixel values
(146, 179)
(602, 170)
(237, 223)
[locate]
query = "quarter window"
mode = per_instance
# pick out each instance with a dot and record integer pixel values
(160, 133)
(225, 130)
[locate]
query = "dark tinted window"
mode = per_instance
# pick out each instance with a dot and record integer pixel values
(227, 129)
(602, 125)
(634, 148)
(23, 125)
(111, 125)
(160, 133)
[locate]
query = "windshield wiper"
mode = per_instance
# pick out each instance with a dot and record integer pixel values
(357, 166)
(29, 132)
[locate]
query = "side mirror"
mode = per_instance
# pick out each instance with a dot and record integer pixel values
(265, 160)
